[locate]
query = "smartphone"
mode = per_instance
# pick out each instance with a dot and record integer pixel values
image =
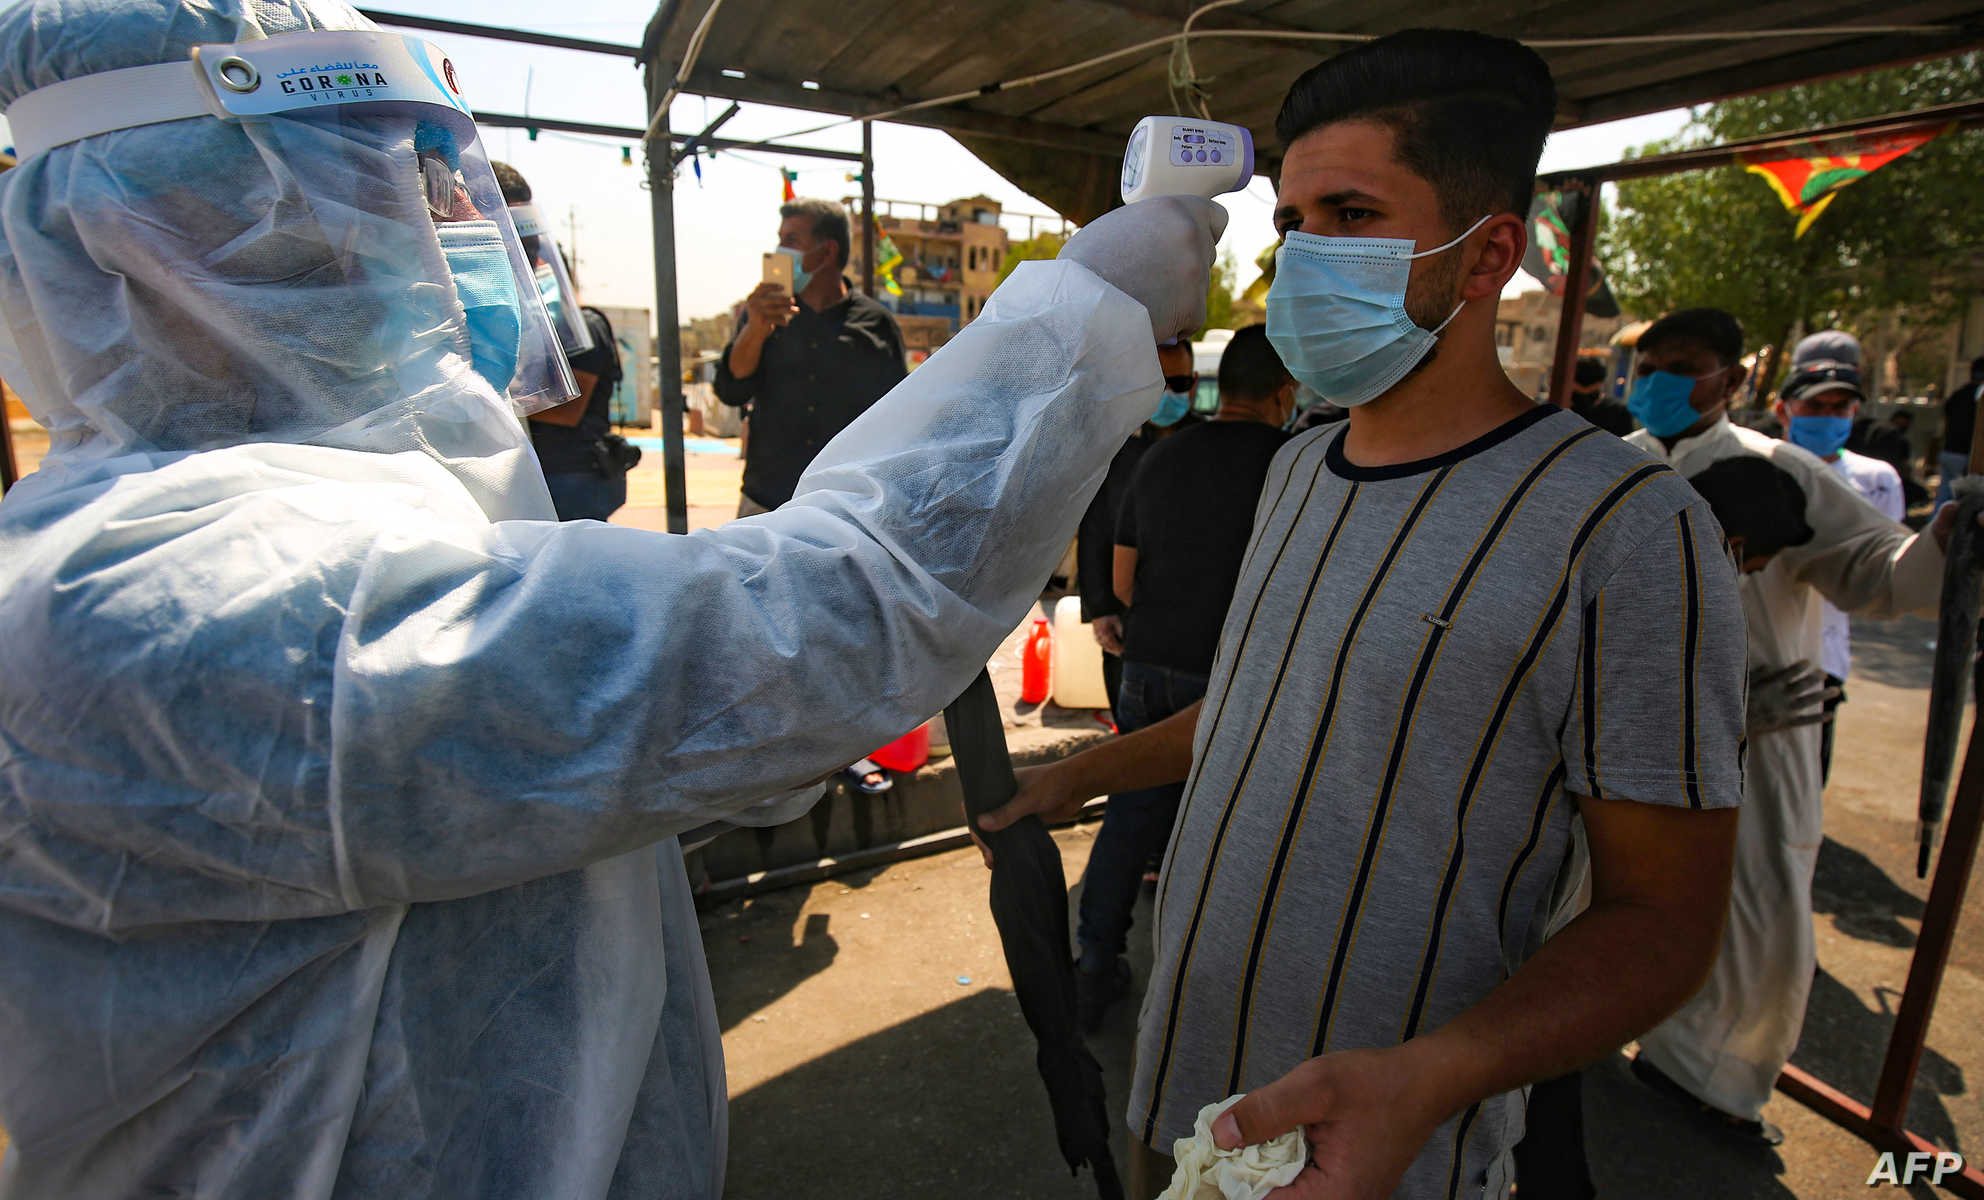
(778, 269)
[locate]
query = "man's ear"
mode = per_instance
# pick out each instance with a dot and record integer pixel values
(1734, 376)
(1502, 242)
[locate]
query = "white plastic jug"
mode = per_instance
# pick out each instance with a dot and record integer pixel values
(1077, 659)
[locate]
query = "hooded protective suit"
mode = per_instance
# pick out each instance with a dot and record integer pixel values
(1728, 1044)
(338, 782)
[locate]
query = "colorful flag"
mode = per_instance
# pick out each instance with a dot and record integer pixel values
(1548, 257)
(887, 259)
(789, 178)
(1807, 175)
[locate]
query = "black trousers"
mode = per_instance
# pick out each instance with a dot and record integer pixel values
(1550, 1161)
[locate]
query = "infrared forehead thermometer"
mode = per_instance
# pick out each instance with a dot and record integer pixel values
(1184, 156)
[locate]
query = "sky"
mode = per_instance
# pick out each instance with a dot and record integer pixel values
(727, 219)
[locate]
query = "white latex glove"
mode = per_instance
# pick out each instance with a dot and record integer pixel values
(1160, 253)
(1787, 697)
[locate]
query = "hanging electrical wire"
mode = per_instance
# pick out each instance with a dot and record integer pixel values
(1182, 75)
(689, 55)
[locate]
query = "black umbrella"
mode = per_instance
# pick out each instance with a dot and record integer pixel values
(1956, 651)
(1030, 905)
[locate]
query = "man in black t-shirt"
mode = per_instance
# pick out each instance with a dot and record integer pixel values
(1095, 539)
(1589, 399)
(588, 482)
(1184, 527)
(586, 478)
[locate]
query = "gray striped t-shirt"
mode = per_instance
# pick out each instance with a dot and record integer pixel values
(1422, 664)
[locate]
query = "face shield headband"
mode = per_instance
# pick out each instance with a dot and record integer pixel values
(503, 339)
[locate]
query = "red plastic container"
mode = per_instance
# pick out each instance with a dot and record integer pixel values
(907, 752)
(1037, 664)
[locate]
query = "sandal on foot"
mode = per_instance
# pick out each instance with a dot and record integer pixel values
(867, 778)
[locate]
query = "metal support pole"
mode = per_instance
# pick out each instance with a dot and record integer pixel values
(667, 326)
(1577, 279)
(868, 208)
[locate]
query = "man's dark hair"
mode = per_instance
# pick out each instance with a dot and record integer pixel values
(1588, 373)
(1902, 415)
(829, 222)
(1977, 368)
(1720, 332)
(1249, 368)
(515, 190)
(1468, 112)
(1755, 500)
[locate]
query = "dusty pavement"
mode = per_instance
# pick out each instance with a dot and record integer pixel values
(875, 1050)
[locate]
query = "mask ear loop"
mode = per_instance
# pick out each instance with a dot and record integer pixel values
(1436, 330)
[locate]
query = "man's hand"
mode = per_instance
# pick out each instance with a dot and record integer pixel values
(1365, 1114)
(1045, 792)
(770, 306)
(1944, 523)
(1108, 634)
(1158, 251)
(1787, 698)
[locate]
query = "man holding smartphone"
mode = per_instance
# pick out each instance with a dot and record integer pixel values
(811, 356)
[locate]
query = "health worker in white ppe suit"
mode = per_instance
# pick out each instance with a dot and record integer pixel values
(1725, 1047)
(338, 781)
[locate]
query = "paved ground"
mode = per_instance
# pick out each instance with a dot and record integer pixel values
(874, 1049)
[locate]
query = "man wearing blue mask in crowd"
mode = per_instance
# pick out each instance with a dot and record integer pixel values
(1817, 406)
(1722, 1052)
(1462, 619)
(1095, 542)
(339, 782)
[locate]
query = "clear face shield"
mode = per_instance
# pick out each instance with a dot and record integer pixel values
(554, 280)
(368, 153)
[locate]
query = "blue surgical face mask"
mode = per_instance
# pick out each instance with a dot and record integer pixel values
(1171, 408)
(1659, 401)
(1336, 313)
(480, 264)
(800, 275)
(547, 291)
(1823, 436)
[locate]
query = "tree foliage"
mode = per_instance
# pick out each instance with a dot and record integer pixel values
(1219, 290)
(1893, 259)
(1039, 246)
(1219, 294)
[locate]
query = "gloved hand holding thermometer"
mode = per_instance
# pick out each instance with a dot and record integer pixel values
(1158, 248)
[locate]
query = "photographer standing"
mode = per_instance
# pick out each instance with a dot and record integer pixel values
(808, 361)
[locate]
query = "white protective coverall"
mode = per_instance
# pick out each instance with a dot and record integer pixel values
(1727, 1045)
(338, 781)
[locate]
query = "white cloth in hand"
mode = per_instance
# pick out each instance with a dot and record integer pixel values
(1205, 1172)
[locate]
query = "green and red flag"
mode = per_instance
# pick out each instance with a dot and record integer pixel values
(788, 178)
(887, 259)
(1807, 175)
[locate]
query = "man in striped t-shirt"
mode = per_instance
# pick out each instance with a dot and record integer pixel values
(1463, 620)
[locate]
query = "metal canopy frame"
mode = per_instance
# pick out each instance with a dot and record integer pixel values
(1032, 85)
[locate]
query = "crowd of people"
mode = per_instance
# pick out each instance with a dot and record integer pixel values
(347, 756)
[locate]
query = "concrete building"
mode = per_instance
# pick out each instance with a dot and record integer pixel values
(951, 255)
(1526, 337)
